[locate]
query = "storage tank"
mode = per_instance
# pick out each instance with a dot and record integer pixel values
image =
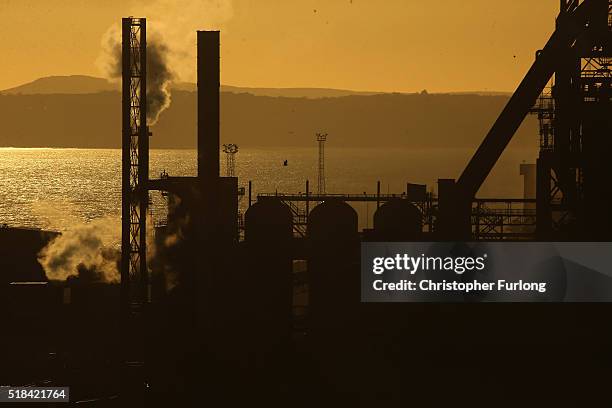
(268, 268)
(268, 219)
(398, 220)
(334, 293)
(333, 264)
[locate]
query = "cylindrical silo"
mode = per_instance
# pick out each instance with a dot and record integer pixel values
(334, 292)
(269, 278)
(398, 220)
(333, 264)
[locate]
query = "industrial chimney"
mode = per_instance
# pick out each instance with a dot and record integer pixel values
(208, 105)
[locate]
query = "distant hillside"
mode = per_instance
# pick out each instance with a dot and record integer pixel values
(72, 84)
(311, 93)
(295, 92)
(387, 120)
(82, 84)
(484, 93)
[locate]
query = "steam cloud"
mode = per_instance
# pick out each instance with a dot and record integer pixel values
(178, 21)
(159, 77)
(159, 74)
(171, 44)
(89, 251)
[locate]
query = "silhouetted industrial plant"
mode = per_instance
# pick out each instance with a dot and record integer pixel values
(265, 306)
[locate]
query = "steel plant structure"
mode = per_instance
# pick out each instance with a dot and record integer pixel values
(573, 195)
(575, 130)
(572, 171)
(135, 175)
(572, 187)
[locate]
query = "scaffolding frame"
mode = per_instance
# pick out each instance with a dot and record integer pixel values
(135, 197)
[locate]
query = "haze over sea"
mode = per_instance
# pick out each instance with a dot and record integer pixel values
(56, 188)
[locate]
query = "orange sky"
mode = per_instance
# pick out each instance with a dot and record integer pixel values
(381, 45)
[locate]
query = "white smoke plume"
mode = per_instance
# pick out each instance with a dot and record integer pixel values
(159, 74)
(171, 44)
(177, 22)
(88, 250)
(159, 77)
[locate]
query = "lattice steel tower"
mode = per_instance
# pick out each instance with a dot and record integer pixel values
(134, 200)
(321, 138)
(230, 151)
(575, 129)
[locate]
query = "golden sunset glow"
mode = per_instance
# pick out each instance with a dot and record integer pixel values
(390, 45)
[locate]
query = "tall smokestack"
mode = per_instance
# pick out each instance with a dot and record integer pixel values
(208, 104)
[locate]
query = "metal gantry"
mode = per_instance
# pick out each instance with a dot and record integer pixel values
(545, 111)
(503, 219)
(135, 200)
(574, 127)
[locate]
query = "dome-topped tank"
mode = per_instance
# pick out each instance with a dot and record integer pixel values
(333, 267)
(332, 219)
(268, 219)
(268, 276)
(398, 220)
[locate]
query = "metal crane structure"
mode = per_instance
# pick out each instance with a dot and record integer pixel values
(572, 192)
(321, 139)
(135, 175)
(230, 151)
